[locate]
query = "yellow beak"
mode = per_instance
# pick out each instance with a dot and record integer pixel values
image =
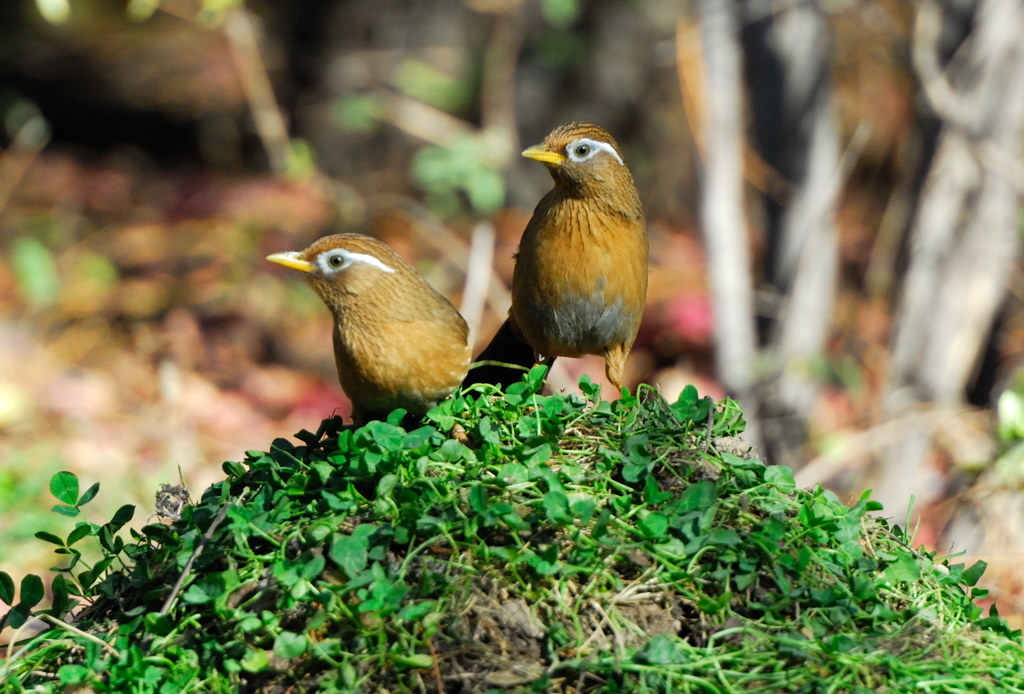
(542, 153)
(292, 259)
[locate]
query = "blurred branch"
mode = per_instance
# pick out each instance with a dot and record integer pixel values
(267, 116)
(853, 448)
(925, 54)
(498, 81)
(423, 121)
(881, 275)
(479, 271)
(959, 110)
(54, 621)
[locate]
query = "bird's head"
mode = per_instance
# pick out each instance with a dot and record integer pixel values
(344, 265)
(583, 159)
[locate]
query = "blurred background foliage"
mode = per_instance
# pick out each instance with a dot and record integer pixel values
(155, 151)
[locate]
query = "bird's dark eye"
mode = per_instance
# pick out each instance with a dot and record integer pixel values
(335, 260)
(581, 150)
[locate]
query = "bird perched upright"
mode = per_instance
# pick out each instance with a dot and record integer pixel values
(397, 342)
(580, 278)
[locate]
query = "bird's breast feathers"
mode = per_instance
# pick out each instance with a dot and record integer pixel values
(580, 280)
(401, 363)
(586, 260)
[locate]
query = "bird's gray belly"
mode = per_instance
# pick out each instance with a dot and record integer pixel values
(578, 325)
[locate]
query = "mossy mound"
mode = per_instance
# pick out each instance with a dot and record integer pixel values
(514, 542)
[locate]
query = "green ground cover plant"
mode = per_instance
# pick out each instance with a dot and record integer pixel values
(507, 542)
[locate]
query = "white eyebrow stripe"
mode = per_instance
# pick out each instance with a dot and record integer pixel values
(597, 145)
(369, 260)
(350, 257)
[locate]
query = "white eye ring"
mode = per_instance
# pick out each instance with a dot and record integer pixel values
(338, 259)
(584, 149)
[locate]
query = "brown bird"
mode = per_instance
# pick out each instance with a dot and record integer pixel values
(397, 342)
(580, 278)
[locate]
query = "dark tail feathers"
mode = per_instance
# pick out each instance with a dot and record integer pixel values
(507, 347)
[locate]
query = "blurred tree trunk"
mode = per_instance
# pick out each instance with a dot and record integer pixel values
(724, 223)
(787, 52)
(784, 72)
(961, 243)
(965, 237)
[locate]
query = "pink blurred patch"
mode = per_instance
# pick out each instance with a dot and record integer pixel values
(690, 317)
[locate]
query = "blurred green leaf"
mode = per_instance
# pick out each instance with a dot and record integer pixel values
(583, 509)
(95, 273)
(560, 14)
(903, 569)
(64, 486)
(211, 12)
(312, 567)
(301, 162)
(690, 408)
(464, 166)
(782, 477)
(35, 272)
(290, 645)
(1010, 409)
(432, 86)
(81, 531)
(123, 515)
(255, 660)
(486, 191)
(654, 525)
(417, 661)
(974, 573)
(61, 595)
(17, 616)
(1010, 465)
(590, 390)
(660, 650)
(350, 551)
(6, 588)
(208, 588)
(32, 591)
(556, 507)
(89, 494)
(49, 537)
(563, 49)
(358, 112)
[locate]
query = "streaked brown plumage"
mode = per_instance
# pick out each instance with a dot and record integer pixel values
(397, 342)
(580, 278)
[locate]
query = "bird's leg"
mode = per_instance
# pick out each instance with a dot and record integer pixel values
(359, 416)
(614, 364)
